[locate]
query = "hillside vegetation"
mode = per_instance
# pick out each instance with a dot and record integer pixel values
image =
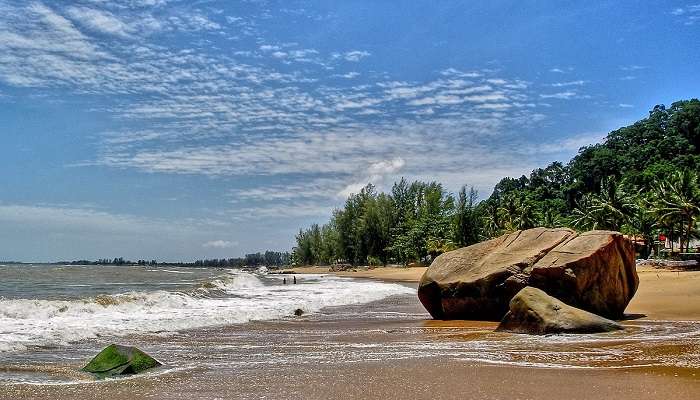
(641, 180)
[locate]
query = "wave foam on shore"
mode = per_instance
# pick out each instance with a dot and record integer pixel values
(233, 298)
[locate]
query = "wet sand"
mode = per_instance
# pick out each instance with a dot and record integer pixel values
(413, 379)
(388, 350)
(391, 349)
(388, 274)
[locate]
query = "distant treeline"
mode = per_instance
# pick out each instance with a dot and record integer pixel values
(642, 180)
(107, 261)
(268, 258)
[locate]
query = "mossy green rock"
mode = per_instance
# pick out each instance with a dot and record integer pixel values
(117, 360)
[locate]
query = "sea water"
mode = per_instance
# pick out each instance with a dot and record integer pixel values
(56, 305)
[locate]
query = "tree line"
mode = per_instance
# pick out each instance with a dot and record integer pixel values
(641, 180)
(108, 261)
(268, 258)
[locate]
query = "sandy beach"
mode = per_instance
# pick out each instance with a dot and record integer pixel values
(662, 295)
(391, 349)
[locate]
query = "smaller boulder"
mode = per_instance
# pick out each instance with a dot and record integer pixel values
(535, 312)
(117, 360)
(340, 267)
(298, 312)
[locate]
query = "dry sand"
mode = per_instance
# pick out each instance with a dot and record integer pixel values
(667, 295)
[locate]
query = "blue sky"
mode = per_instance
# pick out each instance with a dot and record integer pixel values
(185, 129)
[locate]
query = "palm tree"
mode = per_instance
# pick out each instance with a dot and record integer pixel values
(642, 223)
(508, 210)
(550, 218)
(525, 214)
(609, 209)
(492, 218)
(584, 215)
(677, 201)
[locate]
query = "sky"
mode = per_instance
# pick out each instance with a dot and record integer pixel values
(179, 130)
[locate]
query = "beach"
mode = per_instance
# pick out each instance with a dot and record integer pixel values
(390, 348)
(663, 294)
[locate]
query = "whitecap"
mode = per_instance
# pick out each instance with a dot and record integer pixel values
(234, 298)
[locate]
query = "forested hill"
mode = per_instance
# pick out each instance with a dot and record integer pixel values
(642, 180)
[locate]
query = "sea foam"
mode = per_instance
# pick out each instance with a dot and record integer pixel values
(233, 298)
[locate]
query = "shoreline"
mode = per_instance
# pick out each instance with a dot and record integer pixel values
(385, 274)
(663, 294)
(387, 349)
(391, 349)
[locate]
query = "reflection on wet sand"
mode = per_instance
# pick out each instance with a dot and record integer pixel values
(381, 336)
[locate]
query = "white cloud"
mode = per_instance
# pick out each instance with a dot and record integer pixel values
(561, 70)
(258, 112)
(386, 167)
(66, 219)
(46, 232)
(565, 145)
(625, 105)
(460, 74)
(678, 11)
(495, 106)
(349, 75)
(220, 244)
(497, 81)
(633, 67)
(377, 174)
(569, 83)
(284, 210)
(689, 15)
(566, 95)
(100, 21)
(355, 55)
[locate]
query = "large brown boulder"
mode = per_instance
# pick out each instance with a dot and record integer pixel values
(594, 271)
(475, 282)
(535, 312)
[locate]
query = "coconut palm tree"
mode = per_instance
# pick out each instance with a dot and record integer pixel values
(677, 201)
(642, 223)
(609, 209)
(508, 210)
(550, 218)
(584, 216)
(492, 219)
(525, 214)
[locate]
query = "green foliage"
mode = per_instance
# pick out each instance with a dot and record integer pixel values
(641, 180)
(608, 209)
(468, 222)
(415, 221)
(676, 203)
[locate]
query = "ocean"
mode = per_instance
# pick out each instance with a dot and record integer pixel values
(56, 305)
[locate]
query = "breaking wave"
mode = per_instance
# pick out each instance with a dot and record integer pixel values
(233, 298)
